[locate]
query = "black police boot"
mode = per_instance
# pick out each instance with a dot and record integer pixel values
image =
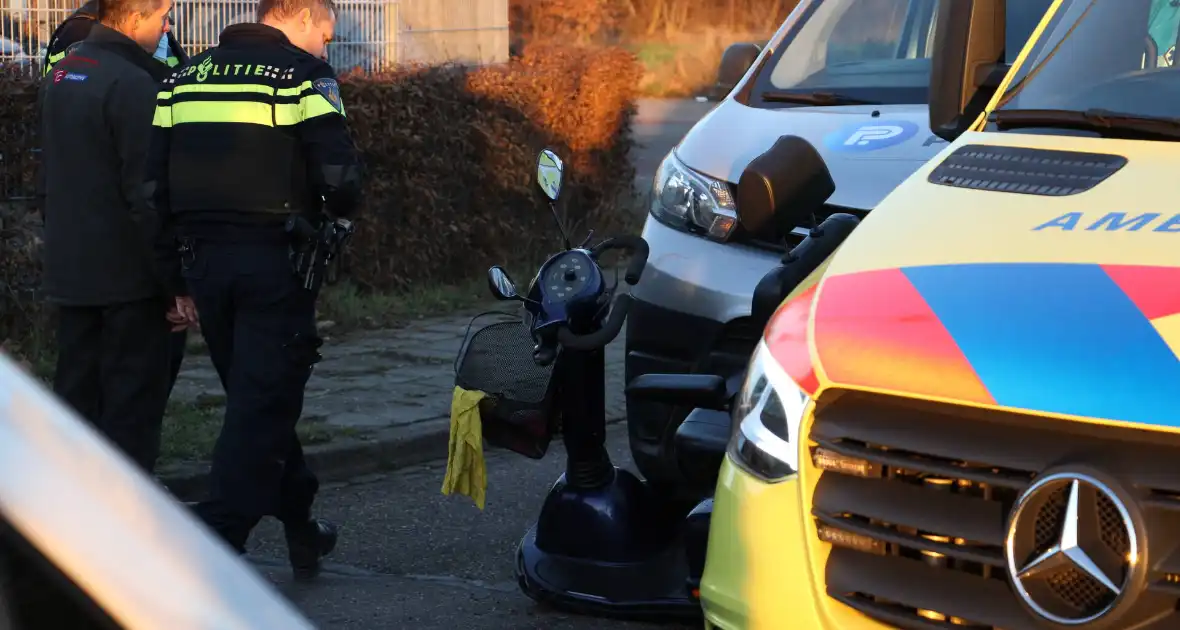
(307, 544)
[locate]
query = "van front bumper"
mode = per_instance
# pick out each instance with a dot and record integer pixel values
(690, 315)
(759, 572)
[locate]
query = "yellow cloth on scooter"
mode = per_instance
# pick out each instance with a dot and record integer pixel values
(466, 472)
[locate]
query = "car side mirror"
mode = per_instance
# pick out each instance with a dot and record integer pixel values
(735, 62)
(783, 188)
(501, 285)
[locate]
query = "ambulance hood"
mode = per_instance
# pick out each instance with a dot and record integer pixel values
(1033, 275)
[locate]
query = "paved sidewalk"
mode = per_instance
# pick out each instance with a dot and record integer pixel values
(659, 126)
(389, 388)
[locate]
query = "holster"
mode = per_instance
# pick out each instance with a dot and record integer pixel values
(307, 251)
(187, 248)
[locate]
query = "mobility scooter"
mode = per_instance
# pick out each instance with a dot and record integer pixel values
(605, 543)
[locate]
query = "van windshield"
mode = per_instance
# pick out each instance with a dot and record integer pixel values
(868, 51)
(1108, 62)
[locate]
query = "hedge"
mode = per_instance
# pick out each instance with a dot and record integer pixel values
(680, 42)
(631, 21)
(450, 154)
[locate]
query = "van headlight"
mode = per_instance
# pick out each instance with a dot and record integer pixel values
(767, 416)
(692, 202)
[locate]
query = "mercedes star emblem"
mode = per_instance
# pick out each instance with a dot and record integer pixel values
(1072, 548)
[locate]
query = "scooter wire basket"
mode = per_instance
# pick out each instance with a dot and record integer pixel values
(497, 359)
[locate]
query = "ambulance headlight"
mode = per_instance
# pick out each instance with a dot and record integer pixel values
(767, 416)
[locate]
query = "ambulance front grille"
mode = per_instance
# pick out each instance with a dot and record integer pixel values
(936, 506)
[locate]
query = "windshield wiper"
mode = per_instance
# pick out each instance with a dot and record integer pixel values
(814, 98)
(1101, 120)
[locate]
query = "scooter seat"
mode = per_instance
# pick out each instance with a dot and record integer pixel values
(700, 442)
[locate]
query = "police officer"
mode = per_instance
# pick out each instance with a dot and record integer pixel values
(248, 135)
(66, 37)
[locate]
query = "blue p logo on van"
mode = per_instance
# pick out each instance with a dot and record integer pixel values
(872, 136)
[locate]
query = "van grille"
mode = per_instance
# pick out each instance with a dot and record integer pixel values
(938, 511)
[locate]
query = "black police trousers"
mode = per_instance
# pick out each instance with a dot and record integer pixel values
(113, 367)
(177, 343)
(259, 324)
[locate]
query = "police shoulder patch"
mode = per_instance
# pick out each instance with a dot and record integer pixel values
(331, 91)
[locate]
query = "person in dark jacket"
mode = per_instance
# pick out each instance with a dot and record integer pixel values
(69, 34)
(247, 136)
(76, 27)
(99, 266)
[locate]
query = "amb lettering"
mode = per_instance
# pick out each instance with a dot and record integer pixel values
(1113, 222)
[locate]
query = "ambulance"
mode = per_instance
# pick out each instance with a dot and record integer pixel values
(969, 415)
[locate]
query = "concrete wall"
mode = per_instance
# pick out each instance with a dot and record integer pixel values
(468, 31)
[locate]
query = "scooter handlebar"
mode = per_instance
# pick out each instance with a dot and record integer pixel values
(639, 252)
(610, 329)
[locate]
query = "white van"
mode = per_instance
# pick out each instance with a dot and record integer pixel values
(849, 76)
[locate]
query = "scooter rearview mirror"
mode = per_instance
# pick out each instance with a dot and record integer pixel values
(550, 174)
(550, 177)
(501, 285)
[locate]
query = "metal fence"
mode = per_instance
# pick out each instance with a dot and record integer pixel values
(370, 34)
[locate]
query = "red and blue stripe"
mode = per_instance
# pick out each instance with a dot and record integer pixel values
(1075, 339)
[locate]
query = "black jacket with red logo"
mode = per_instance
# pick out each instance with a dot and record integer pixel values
(76, 28)
(96, 118)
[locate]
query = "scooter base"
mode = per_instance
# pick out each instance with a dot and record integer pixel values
(653, 590)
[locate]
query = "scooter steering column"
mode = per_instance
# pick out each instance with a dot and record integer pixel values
(582, 377)
(583, 418)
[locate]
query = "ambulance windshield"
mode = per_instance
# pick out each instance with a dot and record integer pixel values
(1105, 62)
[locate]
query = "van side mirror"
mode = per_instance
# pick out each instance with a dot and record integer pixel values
(967, 65)
(783, 188)
(735, 61)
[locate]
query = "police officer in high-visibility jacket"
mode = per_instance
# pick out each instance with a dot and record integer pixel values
(248, 135)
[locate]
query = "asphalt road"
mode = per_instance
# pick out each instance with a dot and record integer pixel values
(410, 557)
